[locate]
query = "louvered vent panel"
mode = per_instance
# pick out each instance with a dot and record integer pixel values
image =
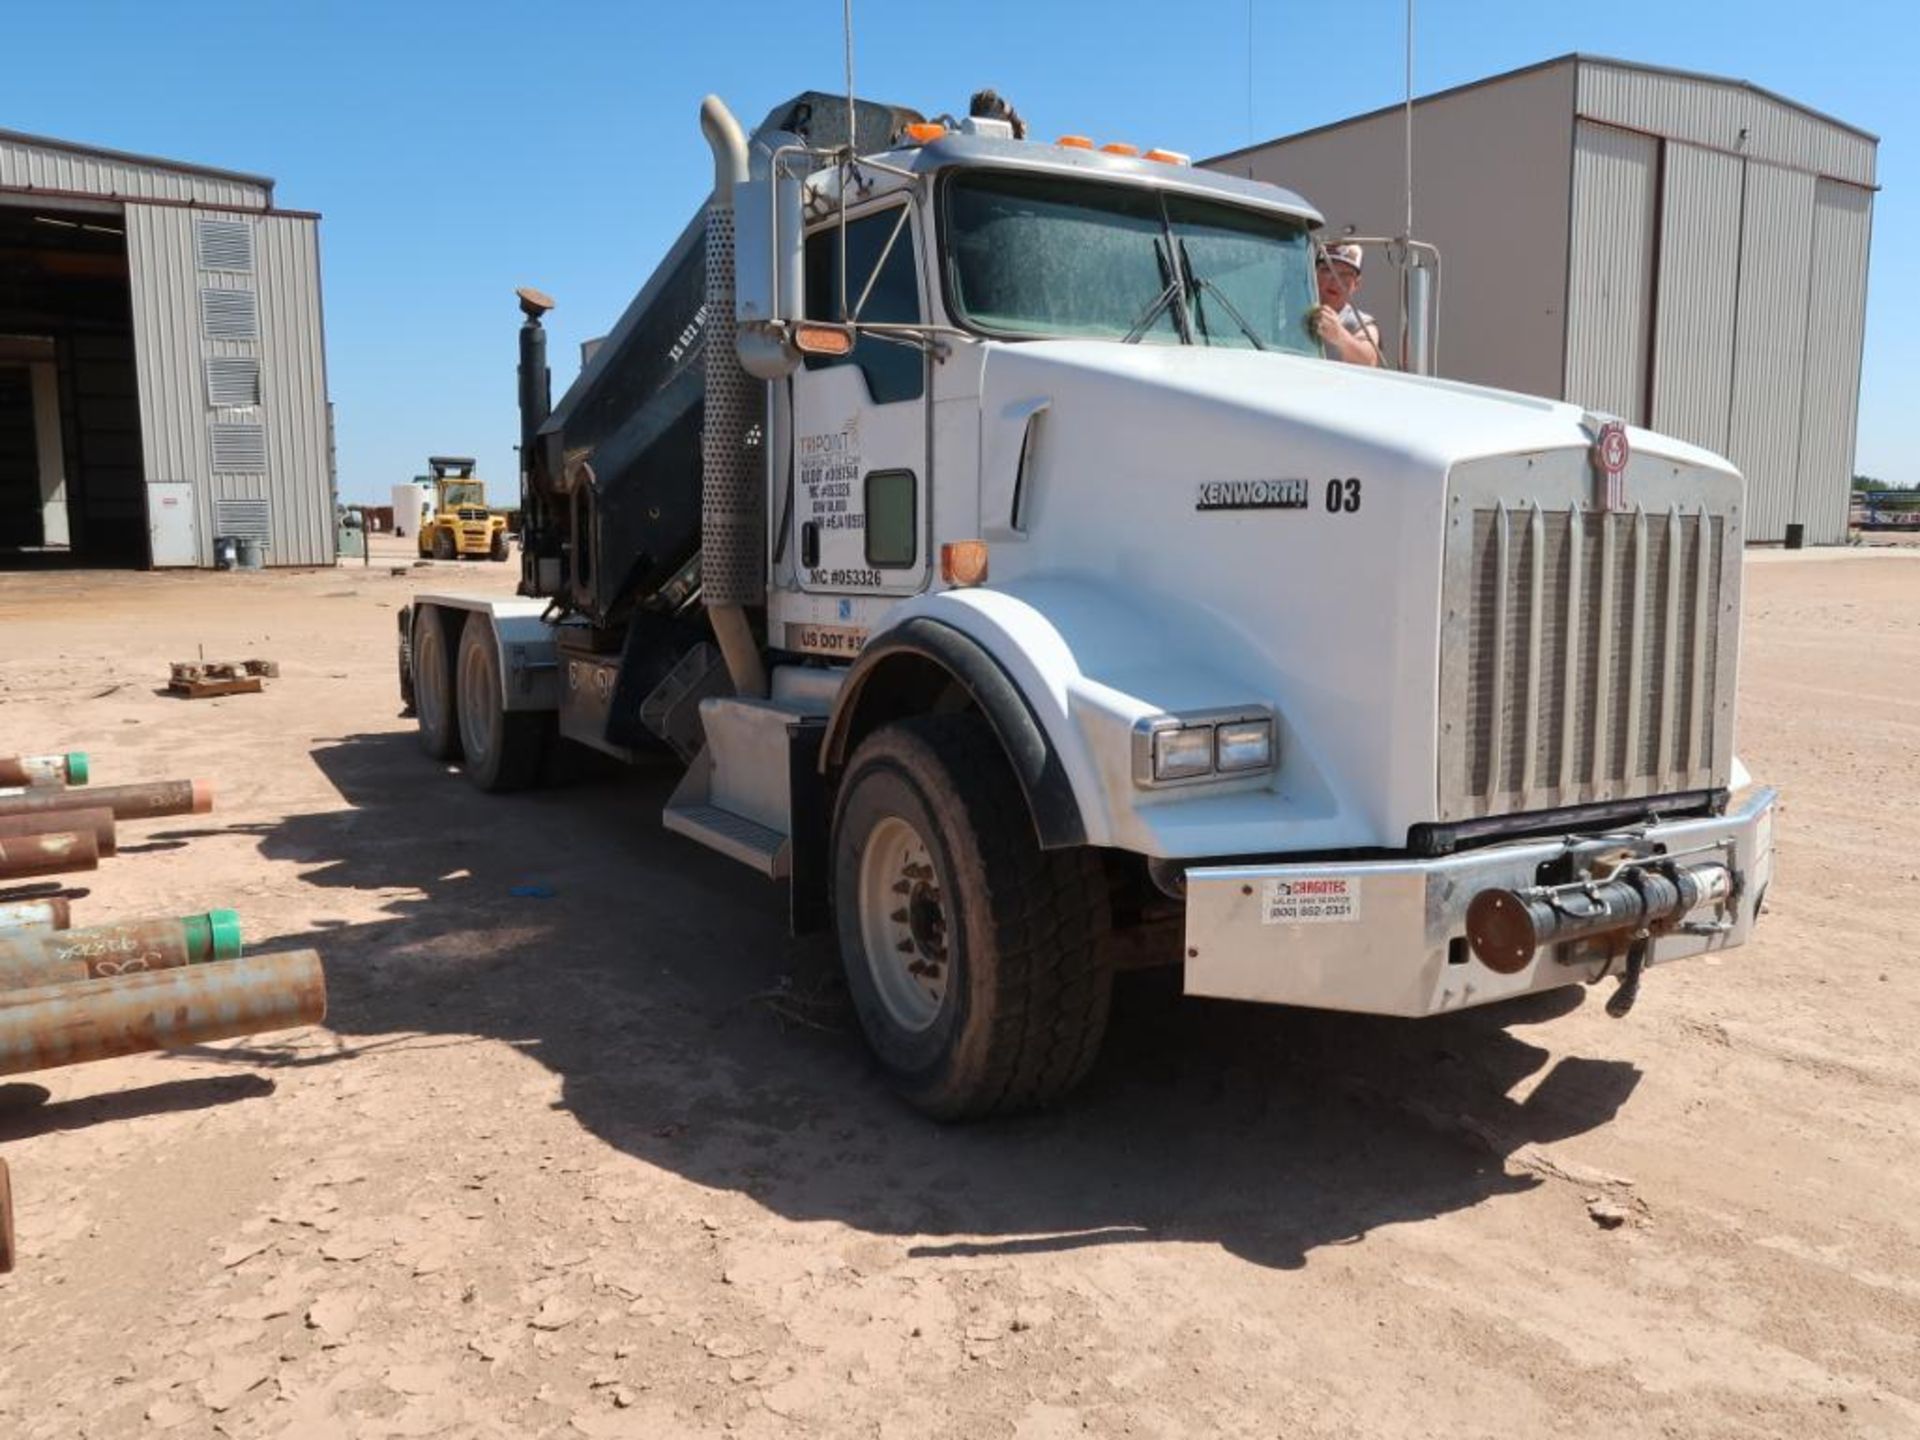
(1590, 656)
(224, 245)
(233, 380)
(229, 315)
(239, 449)
(243, 519)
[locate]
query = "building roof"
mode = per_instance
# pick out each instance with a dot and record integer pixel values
(147, 162)
(1571, 58)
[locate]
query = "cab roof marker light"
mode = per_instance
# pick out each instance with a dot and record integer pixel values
(1169, 157)
(924, 132)
(1120, 147)
(1074, 142)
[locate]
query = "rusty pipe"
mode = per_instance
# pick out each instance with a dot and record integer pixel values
(6, 1220)
(56, 1025)
(49, 822)
(60, 853)
(68, 769)
(53, 913)
(128, 802)
(29, 958)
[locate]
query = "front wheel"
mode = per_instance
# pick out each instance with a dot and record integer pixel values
(443, 548)
(976, 960)
(499, 549)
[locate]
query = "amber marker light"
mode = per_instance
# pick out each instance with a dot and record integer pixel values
(964, 562)
(925, 132)
(822, 340)
(1074, 142)
(1169, 157)
(1120, 147)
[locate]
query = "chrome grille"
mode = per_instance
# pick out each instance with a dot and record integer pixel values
(1586, 656)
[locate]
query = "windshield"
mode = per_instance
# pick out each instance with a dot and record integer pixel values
(1040, 255)
(465, 493)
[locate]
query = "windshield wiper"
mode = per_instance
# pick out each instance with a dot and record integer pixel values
(1201, 282)
(1159, 306)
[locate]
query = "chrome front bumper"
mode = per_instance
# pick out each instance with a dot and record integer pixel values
(1388, 937)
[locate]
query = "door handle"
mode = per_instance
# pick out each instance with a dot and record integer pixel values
(810, 544)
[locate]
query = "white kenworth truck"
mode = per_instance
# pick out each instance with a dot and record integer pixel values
(981, 526)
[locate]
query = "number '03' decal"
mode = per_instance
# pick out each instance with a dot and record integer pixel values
(1343, 496)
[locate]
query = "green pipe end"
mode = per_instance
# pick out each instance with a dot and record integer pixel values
(214, 935)
(76, 767)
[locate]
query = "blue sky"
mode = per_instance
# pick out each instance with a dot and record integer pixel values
(459, 149)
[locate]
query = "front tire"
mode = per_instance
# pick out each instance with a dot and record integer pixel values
(443, 548)
(976, 960)
(504, 748)
(500, 549)
(433, 688)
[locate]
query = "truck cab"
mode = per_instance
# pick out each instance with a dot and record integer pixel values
(982, 525)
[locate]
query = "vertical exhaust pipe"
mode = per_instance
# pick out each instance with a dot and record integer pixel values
(732, 525)
(537, 540)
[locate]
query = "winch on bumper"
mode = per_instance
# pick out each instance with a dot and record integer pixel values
(1390, 937)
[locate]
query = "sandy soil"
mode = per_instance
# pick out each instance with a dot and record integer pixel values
(609, 1161)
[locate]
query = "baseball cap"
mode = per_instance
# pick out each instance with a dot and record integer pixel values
(1348, 255)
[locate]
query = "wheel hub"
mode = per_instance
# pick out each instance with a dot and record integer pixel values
(904, 924)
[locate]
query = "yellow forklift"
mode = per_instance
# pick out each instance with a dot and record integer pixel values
(462, 526)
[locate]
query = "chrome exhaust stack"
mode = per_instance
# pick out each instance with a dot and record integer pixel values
(733, 528)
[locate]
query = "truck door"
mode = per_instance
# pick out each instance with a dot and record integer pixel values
(860, 505)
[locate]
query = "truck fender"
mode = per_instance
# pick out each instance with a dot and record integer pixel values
(909, 669)
(522, 638)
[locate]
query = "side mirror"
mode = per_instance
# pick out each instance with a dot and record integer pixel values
(769, 232)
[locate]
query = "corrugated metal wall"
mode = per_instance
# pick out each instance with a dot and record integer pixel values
(47, 167)
(1698, 286)
(1490, 189)
(1616, 185)
(1705, 110)
(1769, 346)
(1837, 316)
(171, 351)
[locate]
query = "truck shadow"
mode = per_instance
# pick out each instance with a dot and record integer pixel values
(658, 982)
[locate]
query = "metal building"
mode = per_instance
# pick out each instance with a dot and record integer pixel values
(162, 371)
(1685, 251)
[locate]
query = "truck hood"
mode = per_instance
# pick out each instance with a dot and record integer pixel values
(1432, 422)
(1182, 529)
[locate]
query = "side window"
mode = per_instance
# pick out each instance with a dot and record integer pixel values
(893, 527)
(894, 371)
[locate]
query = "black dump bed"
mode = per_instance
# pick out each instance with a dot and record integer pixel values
(615, 473)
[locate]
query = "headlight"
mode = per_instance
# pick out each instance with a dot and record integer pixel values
(1183, 748)
(1243, 745)
(1182, 754)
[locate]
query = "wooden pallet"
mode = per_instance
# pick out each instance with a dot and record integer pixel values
(206, 679)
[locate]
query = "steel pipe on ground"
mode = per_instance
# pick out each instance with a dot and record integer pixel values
(58, 1025)
(61, 853)
(68, 769)
(53, 913)
(30, 958)
(51, 822)
(127, 802)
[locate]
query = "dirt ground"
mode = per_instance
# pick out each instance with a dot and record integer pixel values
(588, 1147)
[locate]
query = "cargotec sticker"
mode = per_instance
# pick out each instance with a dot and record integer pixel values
(1311, 900)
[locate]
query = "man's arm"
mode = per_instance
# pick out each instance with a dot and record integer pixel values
(1342, 344)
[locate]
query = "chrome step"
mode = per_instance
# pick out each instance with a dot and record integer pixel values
(732, 835)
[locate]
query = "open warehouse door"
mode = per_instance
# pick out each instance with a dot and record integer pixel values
(70, 463)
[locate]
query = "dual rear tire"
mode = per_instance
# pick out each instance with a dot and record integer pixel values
(459, 700)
